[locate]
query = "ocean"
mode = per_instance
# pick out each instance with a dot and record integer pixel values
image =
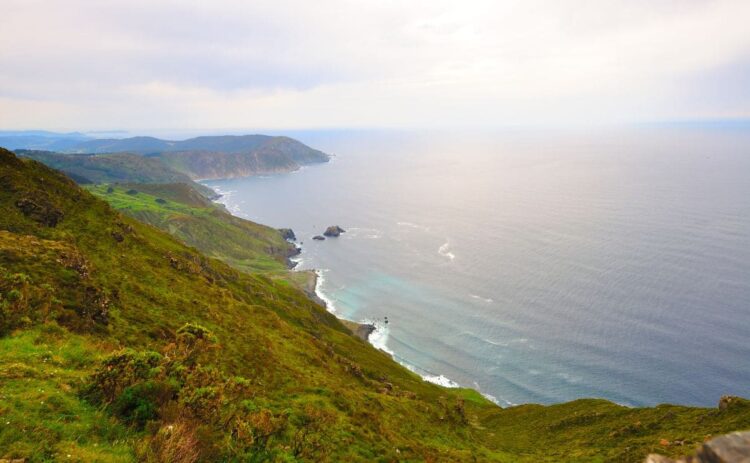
(534, 266)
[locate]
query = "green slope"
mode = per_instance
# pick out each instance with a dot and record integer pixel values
(185, 214)
(106, 355)
(113, 168)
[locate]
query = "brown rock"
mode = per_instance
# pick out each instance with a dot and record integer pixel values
(40, 209)
(333, 231)
(730, 448)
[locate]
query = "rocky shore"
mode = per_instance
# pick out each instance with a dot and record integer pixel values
(310, 284)
(361, 330)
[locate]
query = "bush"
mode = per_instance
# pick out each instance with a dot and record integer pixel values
(140, 403)
(119, 371)
(22, 302)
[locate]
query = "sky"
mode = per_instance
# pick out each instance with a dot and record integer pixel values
(225, 64)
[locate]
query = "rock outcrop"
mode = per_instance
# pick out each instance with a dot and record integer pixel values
(730, 448)
(39, 208)
(333, 231)
(318, 238)
(288, 234)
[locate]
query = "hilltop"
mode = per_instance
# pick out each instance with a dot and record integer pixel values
(152, 160)
(207, 157)
(119, 342)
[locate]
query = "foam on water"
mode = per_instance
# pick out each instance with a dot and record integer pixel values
(441, 380)
(444, 251)
(379, 337)
(362, 232)
(414, 226)
(488, 300)
(319, 282)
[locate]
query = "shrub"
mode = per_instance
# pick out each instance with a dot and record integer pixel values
(141, 402)
(22, 302)
(120, 371)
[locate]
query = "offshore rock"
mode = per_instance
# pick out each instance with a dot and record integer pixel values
(333, 231)
(318, 238)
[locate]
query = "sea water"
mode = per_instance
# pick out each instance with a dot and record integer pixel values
(534, 266)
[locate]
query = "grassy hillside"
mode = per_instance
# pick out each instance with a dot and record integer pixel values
(120, 343)
(152, 160)
(194, 220)
(113, 168)
(227, 157)
(212, 156)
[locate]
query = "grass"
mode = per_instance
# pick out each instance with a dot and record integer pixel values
(182, 212)
(41, 416)
(283, 381)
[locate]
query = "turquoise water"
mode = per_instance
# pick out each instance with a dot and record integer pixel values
(536, 267)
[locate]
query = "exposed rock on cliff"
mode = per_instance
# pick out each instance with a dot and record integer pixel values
(731, 448)
(288, 234)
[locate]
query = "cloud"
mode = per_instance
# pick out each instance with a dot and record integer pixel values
(138, 64)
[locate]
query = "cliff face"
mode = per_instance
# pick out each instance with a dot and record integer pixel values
(277, 155)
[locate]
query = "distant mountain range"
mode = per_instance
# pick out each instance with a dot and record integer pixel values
(40, 140)
(137, 159)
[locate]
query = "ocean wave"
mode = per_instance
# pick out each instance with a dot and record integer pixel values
(379, 337)
(568, 378)
(330, 306)
(362, 232)
(441, 380)
(485, 340)
(415, 226)
(444, 251)
(298, 260)
(226, 200)
(488, 300)
(492, 398)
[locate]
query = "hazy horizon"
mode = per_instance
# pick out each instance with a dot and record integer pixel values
(143, 66)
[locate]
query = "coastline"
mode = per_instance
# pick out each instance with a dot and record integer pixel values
(374, 332)
(362, 330)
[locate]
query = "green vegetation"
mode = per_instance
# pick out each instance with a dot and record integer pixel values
(113, 168)
(151, 160)
(120, 343)
(182, 212)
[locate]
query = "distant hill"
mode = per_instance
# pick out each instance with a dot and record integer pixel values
(224, 156)
(113, 168)
(141, 145)
(40, 140)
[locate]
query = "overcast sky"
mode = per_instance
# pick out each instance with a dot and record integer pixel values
(222, 64)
